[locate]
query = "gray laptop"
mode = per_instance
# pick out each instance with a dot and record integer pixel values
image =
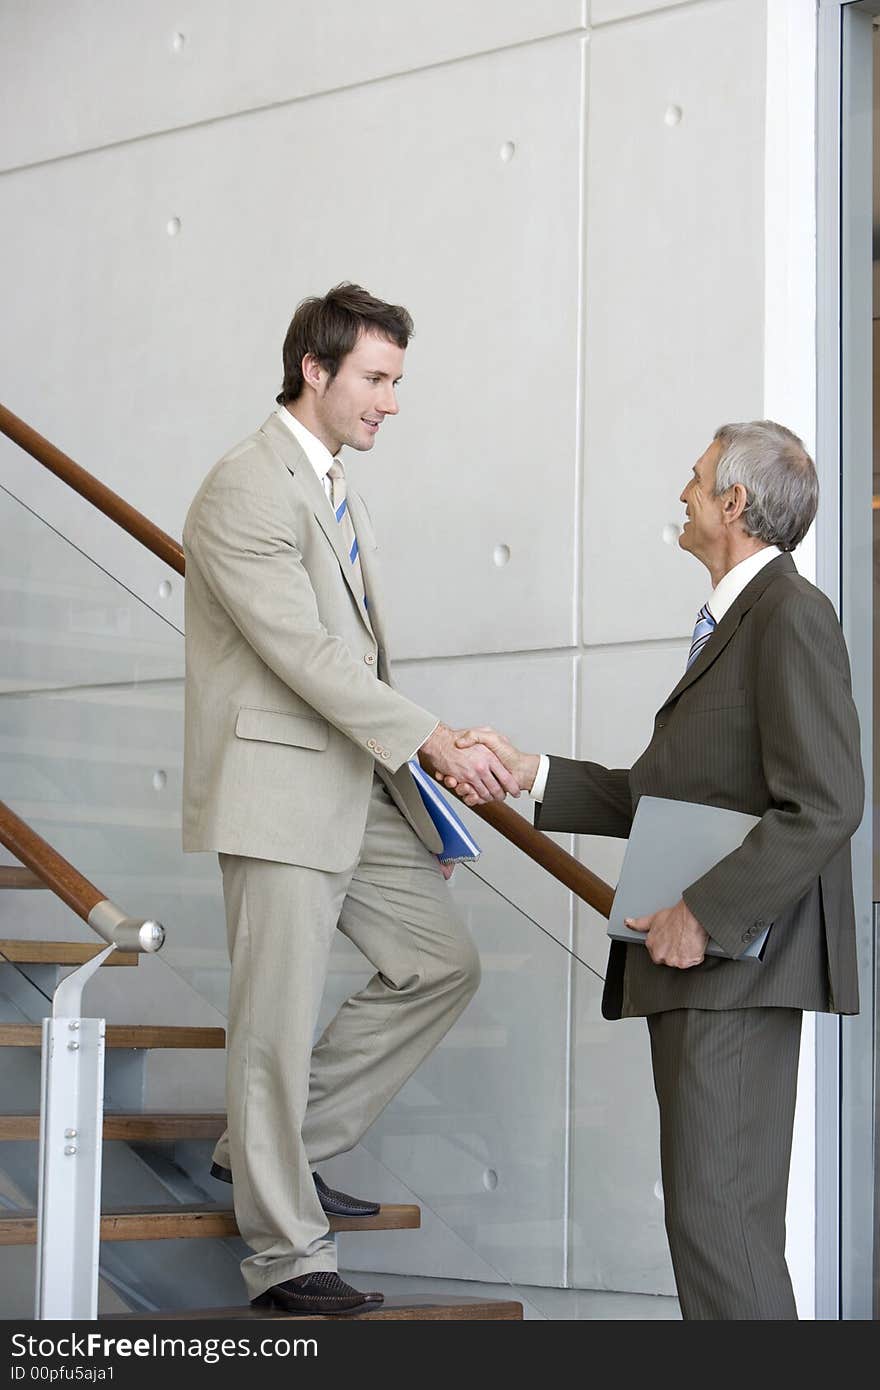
(671, 844)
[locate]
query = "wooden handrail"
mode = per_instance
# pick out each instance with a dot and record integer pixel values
(50, 866)
(568, 870)
(67, 883)
(552, 857)
(89, 487)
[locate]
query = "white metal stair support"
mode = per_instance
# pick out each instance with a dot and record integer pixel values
(71, 1129)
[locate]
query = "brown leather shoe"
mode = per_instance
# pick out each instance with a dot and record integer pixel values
(321, 1292)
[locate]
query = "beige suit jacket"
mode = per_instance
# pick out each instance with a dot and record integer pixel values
(289, 703)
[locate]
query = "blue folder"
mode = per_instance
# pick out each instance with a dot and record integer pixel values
(458, 843)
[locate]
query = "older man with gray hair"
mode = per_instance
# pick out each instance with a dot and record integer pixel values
(762, 721)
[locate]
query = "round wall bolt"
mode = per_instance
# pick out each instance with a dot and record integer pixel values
(73, 1025)
(70, 1134)
(70, 1149)
(73, 1047)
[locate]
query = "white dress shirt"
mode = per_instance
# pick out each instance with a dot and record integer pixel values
(734, 581)
(723, 596)
(321, 459)
(318, 455)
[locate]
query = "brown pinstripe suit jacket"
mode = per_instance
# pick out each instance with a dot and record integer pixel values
(763, 722)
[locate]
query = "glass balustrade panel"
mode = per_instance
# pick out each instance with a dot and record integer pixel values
(482, 1135)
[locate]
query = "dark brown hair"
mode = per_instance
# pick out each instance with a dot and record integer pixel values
(328, 329)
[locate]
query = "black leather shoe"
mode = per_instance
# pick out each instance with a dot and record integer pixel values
(339, 1203)
(322, 1292)
(334, 1203)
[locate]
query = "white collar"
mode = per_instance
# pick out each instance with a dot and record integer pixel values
(731, 585)
(318, 455)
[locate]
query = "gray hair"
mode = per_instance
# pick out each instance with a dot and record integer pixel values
(778, 475)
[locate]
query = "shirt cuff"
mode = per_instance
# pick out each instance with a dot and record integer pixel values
(540, 782)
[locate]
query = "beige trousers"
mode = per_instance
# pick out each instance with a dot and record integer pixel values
(290, 1105)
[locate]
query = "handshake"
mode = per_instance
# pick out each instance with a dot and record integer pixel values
(479, 765)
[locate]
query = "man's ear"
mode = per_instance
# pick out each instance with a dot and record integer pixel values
(314, 374)
(736, 499)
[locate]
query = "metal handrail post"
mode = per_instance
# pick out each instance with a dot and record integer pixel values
(71, 1133)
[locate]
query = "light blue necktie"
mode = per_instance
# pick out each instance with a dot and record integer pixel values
(705, 626)
(339, 504)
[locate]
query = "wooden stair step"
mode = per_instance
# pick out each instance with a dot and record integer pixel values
(203, 1221)
(135, 1035)
(11, 876)
(61, 953)
(142, 1126)
(401, 1308)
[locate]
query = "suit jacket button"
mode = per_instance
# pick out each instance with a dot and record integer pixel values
(370, 659)
(371, 744)
(760, 924)
(747, 936)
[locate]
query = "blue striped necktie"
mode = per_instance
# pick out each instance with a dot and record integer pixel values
(705, 626)
(336, 474)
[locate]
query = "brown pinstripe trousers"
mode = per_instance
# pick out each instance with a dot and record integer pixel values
(726, 1082)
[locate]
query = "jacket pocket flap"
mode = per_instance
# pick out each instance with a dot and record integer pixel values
(273, 726)
(719, 699)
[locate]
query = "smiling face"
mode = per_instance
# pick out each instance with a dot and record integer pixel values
(704, 531)
(350, 407)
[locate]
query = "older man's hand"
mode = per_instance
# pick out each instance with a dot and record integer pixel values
(522, 766)
(673, 936)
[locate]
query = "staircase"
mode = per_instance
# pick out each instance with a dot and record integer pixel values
(90, 728)
(182, 1219)
(402, 1309)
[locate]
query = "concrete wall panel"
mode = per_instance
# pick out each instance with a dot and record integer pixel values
(106, 72)
(675, 307)
(610, 11)
(151, 286)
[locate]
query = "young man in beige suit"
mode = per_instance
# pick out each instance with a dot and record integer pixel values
(761, 721)
(295, 773)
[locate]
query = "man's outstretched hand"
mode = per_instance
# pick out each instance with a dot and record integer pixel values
(522, 767)
(474, 765)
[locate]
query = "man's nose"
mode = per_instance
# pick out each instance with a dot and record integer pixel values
(388, 405)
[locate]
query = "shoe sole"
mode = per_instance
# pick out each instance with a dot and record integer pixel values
(278, 1306)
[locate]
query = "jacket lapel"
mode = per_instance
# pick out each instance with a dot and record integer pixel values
(783, 564)
(292, 456)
